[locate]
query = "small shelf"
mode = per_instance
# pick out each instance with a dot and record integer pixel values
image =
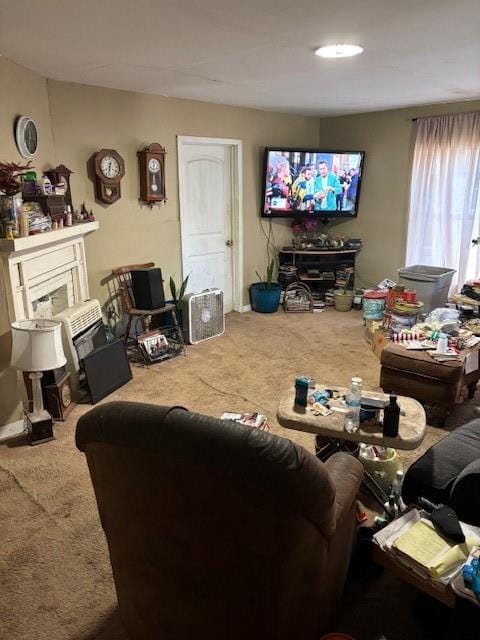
(313, 267)
(316, 278)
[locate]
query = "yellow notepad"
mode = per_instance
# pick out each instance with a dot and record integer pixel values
(422, 544)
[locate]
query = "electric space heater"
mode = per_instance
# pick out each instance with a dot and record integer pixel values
(76, 320)
(205, 317)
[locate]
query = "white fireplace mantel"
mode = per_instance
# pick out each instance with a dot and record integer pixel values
(37, 265)
(49, 237)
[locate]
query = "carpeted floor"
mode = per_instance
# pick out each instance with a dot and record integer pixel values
(55, 575)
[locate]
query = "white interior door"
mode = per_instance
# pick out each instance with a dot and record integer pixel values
(206, 190)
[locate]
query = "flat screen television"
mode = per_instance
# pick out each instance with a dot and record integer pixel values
(316, 183)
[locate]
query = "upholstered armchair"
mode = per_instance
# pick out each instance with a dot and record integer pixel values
(216, 530)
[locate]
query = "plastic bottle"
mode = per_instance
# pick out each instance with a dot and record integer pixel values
(352, 400)
(23, 223)
(391, 417)
(391, 507)
(397, 486)
(396, 490)
(442, 343)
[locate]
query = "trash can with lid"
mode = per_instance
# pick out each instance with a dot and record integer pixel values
(431, 284)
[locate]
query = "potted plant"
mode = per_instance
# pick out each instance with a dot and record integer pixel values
(10, 187)
(344, 296)
(265, 295)
(178, 297)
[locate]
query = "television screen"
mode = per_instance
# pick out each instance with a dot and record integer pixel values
(316, 183)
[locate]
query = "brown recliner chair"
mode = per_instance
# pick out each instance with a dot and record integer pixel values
(216, 530)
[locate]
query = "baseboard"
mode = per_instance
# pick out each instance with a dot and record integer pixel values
(11, 430)
(245, 308)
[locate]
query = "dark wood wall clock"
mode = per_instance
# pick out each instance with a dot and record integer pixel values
(61, 175)
(109, 169)
(151, 163)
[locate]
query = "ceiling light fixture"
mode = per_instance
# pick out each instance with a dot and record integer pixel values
(339, 51)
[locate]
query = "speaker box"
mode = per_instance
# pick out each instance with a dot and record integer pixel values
(106, 369)
(147, 288)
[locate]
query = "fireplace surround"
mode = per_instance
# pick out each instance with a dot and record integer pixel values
(45, 273)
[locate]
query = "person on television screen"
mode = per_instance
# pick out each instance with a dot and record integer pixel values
(344, 180)
(327, 187)
(281, 179)
(352, 187)
(303, 189)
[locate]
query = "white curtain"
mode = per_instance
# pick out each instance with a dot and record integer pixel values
(444, 211)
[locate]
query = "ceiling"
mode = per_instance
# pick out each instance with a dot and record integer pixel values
(255, 53)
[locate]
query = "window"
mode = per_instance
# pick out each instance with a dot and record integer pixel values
(444, 211)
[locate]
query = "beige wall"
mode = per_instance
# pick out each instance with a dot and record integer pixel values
(386, 137)
(86, 118)
(76, 120)
(22, 92)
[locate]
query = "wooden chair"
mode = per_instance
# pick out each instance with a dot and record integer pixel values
(123, 279)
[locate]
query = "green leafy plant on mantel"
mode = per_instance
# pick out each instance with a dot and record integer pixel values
(178, 295)
(268, 279)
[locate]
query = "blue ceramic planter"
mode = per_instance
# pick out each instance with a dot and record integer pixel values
(263, 299)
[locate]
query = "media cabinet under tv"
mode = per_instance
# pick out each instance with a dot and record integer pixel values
(320, 269)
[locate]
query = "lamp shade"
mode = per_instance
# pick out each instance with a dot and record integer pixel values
(37, 345)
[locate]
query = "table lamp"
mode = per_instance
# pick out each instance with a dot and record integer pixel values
(37, 347)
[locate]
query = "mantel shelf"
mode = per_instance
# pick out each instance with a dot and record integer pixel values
(49, 237)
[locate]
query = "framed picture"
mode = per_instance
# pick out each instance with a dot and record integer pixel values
(153, 344)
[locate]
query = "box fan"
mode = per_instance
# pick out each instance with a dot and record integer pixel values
(204, 313)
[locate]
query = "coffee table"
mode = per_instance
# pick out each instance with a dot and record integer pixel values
(411, 428)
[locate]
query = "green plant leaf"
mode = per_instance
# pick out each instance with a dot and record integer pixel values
(173, 290)
(182, 289)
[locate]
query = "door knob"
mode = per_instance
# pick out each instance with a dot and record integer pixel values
(229, 243)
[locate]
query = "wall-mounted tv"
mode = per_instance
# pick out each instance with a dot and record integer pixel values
(324, 184)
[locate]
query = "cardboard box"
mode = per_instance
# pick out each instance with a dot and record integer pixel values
(376, 336)
(380, 340)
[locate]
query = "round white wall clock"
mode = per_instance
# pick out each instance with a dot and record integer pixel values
(26, 136)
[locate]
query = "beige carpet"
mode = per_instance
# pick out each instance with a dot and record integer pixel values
(55, 576)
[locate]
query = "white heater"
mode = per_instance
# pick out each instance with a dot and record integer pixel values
(75, 320)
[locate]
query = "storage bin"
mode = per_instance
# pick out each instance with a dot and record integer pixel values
(374, 304)
(383, 471)
(431, 283)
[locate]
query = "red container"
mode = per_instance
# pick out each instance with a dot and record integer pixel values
(411, 295)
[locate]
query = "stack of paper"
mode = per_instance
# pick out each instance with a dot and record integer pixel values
(413, 542)
(434, 555)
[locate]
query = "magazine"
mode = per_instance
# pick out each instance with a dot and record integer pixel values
(249, 419)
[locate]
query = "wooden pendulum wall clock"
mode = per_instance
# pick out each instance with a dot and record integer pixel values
(109, 169)
(151, 161)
